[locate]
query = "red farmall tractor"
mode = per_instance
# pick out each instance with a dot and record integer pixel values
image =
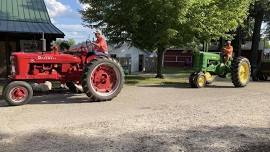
(101, 77)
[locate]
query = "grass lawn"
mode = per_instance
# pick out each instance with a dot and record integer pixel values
(173, 77)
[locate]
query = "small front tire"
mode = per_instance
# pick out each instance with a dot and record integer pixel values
(18, 93)
(200, 80)
(191, 80)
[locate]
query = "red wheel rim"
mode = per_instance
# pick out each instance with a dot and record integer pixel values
(18, 94)
(104, 79)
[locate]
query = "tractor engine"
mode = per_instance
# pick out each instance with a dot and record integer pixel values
(50, 66)
(37, 69)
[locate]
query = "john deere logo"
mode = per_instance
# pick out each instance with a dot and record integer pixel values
(46, 58)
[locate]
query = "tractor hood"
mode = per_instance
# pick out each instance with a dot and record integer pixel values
(212, 56)
(46, 57)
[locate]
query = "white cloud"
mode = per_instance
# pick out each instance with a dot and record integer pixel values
(53, 21)
(76, 31)
(83, 6)
(56, 8)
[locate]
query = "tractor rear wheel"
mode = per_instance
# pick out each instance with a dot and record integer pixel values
(241, 72)
(103, 79)
(18, 93)
(200, 80)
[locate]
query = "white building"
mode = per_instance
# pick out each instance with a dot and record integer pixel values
(137, 56)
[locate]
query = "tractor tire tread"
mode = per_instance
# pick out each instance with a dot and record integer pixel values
(235, 71)
(86, 73)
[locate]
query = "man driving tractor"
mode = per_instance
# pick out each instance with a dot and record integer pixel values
(227, 51)
(100, 45)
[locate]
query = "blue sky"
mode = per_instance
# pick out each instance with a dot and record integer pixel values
(65, 15)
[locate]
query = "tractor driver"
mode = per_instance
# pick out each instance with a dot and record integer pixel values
(100, 45)
(227, 51)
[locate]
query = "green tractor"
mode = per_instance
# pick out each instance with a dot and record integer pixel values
(210, 65)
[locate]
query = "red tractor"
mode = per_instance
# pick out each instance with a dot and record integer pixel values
(101, 77)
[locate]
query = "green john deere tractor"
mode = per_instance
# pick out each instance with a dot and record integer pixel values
(210, 65)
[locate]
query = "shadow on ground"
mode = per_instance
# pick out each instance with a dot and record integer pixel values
(55, 97)
(208, 139)
(168, 85)
(184, 85)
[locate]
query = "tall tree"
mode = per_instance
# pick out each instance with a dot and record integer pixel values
(258, 11)
(159, 24)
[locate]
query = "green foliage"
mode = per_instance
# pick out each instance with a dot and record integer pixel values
(213, 19)
(71, 42)
(150, 24)
(64, 44)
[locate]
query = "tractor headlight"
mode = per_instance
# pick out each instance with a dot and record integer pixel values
(12, 64)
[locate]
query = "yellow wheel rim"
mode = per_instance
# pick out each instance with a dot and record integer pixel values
(201, 81)
(244, 72)
(209, 77)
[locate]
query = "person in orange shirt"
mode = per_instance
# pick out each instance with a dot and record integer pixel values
(228, 51)
(100, 45)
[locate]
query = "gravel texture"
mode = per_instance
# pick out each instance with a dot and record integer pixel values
(219, 118)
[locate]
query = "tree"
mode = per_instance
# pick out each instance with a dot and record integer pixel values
(159, 24)
(64, 44)
(259, 11)
(71, 42)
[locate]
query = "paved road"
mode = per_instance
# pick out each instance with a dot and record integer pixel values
(146, 118)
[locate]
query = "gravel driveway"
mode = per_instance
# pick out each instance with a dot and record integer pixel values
(143, 118)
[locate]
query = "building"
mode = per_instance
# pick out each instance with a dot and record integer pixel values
(177, 58)
(22, 23)
(139, 60)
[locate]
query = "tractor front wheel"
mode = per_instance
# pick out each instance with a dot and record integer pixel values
(103, 79)
(191, 80)
(209, 78)
(18, 93)
(241, 72)
(199, 80)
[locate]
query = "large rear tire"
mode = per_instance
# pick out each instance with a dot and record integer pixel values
(103, 79)
(241, 71)
(18, 93)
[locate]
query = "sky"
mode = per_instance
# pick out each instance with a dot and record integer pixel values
(65, 15)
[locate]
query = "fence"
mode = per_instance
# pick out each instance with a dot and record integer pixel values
(125, 63)
(150, 64)
(181, 60)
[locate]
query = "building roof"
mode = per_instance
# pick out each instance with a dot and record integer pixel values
(26, 16)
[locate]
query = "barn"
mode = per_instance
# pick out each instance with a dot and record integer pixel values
(22, 23)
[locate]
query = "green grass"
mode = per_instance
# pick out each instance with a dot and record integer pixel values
(173, 76)
(180, 71)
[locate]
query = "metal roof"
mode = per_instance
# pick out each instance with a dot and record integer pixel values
(26, 16)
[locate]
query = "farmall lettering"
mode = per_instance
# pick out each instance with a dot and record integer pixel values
(46, 58)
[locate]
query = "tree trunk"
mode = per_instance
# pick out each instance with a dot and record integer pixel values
(238, 42)
(160, 54)
(221, 44)
(256, 38)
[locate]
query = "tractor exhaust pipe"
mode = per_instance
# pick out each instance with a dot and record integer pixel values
(43, 42)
